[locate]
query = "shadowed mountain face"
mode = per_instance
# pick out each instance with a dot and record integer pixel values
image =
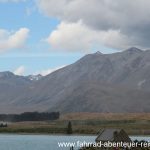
(118, 82)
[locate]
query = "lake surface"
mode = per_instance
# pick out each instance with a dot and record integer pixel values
(44, 142)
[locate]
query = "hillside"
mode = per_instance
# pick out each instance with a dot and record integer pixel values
(116, 83)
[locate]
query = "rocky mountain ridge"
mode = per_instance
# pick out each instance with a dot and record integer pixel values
(117, 83)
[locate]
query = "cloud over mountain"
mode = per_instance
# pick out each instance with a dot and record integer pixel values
(20, 70)
(78, 37)
(128, 19)
(48, 71)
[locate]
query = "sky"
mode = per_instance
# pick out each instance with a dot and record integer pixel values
(40, 36)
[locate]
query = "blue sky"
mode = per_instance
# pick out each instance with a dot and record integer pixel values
(35, 56)
(44, 35)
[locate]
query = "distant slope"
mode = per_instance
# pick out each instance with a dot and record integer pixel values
(117, 83)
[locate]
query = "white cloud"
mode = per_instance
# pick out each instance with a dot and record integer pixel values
(48, 71)
(12, 40)
(79, 37)
(128, 20)
(98, 13)
(71, 36)
(20, 71)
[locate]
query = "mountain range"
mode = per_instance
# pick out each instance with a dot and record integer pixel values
(115, 83)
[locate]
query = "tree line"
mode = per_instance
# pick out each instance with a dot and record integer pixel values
(30, 116)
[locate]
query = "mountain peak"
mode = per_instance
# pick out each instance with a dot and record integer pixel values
(98, 53)
(133, 50)
(6, 74)
(34, 77)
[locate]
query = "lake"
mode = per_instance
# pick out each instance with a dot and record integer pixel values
(44, 142)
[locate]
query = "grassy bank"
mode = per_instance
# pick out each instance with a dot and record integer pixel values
(82, 124)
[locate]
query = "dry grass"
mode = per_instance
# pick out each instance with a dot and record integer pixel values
(106, 116)
(86, 123)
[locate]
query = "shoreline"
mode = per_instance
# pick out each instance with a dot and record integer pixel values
(44, 134)
(47, 134)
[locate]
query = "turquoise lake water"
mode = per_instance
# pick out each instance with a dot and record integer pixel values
(43, 142)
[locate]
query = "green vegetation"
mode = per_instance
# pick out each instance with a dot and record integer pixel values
(30, 116)
(69, 128)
